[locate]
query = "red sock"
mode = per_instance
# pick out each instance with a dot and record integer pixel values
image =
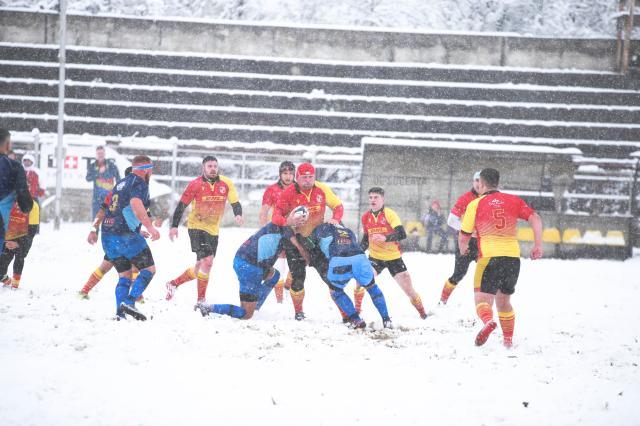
(203, 282)
(297, 297)
(417, 303)
(358, 295)
(279, 291)
(94, 279)
(507, 322)
(188, 275)
(484, 312)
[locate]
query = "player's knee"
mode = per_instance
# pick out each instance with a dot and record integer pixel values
(147, 274)
(297, 284)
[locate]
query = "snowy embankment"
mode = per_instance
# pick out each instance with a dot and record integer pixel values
(66, 362)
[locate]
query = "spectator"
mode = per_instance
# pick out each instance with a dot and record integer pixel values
(104, 174)
(33, 177)
(434, 221)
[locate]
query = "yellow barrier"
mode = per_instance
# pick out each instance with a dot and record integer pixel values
(551, 235)
(571, 236)
(415, 227)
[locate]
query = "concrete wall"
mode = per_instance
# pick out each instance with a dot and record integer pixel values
(309, 42)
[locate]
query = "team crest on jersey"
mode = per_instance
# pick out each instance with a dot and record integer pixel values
(383, 221)
(319, 198)
(222, 189)
(496, 202)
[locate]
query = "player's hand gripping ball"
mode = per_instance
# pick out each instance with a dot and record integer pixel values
(300, 213)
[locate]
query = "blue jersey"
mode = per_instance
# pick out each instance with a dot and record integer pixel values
(13, 187)
(119, 218)
(335, 241)
(263, 247)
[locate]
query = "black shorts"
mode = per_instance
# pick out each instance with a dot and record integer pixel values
(395, 266)
(497, 273)
(203, 244)
(141, 261)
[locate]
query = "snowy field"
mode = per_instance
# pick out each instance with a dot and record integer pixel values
(64, 361)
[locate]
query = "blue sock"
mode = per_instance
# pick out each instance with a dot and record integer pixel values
(266, 288)
(139, 285)
(344, 303)
(378, 300)
(122, 291)
(231, 310)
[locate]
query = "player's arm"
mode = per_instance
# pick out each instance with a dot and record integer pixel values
(23, 196)
(92, 172)
(234, 200)
(187, 197)
(398, 234)
(364, 242)
(263, 216)
(333, 202)
(536, 224)
(141, 214)
(466, 228)
(280, 215)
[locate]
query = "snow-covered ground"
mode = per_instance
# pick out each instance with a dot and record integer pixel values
(64, 361)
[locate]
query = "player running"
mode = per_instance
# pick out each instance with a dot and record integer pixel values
(271, 195)
(207, 195)
(316, 196)
(123, 240)
(494, 216)
(253, 265)
(382, 231)
(462, 261)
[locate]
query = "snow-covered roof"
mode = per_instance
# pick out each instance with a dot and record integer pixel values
(470, 146)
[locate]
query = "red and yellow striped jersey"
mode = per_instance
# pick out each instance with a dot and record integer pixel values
(382, 223)
(494, 217)
(208, 200)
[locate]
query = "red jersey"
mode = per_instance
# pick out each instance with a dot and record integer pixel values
(33, 181)
(461, 205)
(316, 200)
(494, 217)
(272, 194)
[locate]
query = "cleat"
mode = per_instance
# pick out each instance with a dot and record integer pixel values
(82, 295)
(299, 316)
(133, 311)
(345, 320)
(6, 281)
(171, 290)
(386, 323)
(508, 343)
(483, 335)
(356, 324)
(14, 284)
(203, 308)
(423, 315)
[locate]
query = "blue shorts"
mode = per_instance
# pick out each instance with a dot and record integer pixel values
(343, 269)
(250, 277)
(126, 245)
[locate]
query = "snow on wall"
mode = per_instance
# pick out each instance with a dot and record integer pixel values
(561, 18)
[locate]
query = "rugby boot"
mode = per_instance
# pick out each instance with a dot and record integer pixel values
(386, 323)
(299, 316)
(204, 308)
(171, 290)
(356, 323)
(82, 295)
(6, 281)
(508, 343)
(483, 335)
(133, 311)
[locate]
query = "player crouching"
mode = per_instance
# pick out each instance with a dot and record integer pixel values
(253, 265)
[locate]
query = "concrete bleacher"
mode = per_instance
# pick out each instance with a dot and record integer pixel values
(215, 97)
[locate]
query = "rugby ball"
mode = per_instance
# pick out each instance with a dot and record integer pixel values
(300, 211)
